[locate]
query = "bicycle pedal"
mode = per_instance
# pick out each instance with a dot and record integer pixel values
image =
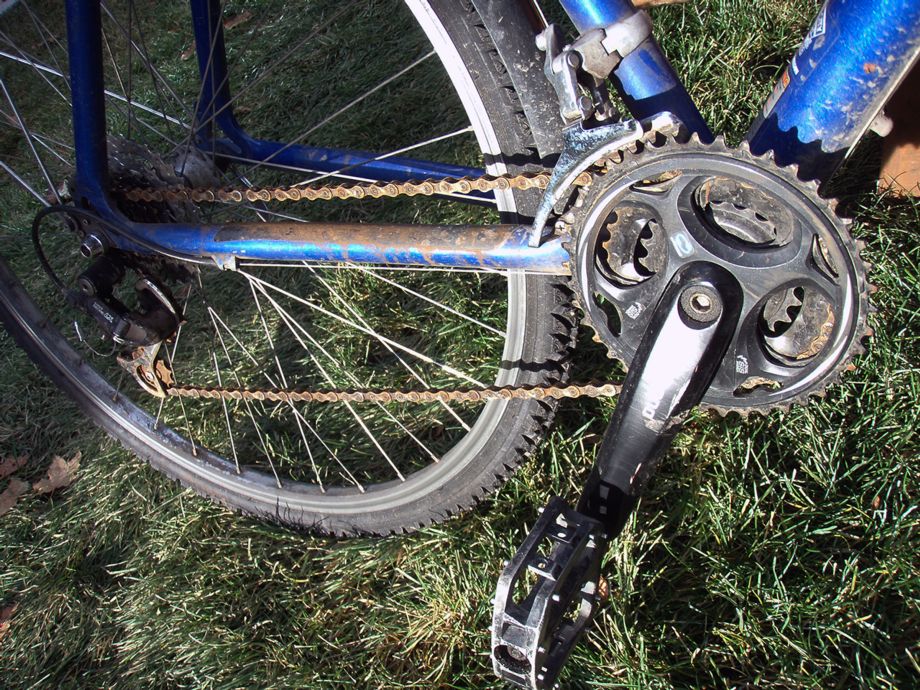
(546, 596)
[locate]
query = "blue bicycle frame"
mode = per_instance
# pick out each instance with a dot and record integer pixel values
(852, 59)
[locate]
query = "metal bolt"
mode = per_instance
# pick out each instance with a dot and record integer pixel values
(701, 301)
(86, 286)
(516, 654)
(91, 246)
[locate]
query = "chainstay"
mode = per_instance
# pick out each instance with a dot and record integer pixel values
(355, 190)
(554, 391)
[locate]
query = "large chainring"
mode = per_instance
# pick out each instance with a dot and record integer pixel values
(670, 204)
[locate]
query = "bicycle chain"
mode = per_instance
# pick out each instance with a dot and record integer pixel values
(355, 190)
(363, 190)
(553, 391)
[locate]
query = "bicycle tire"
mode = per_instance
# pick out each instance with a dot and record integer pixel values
(429, 495)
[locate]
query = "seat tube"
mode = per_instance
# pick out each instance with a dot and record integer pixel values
(644, 78)
(84, 45)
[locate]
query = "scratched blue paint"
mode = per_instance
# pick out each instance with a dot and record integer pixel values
(839, 78)
(837, 83)
(511, 252)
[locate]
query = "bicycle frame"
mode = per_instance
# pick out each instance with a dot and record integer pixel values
(852, 59)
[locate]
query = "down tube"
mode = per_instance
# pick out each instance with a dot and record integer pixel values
(850, 62)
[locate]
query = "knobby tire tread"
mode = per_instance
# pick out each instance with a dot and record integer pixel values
(550, 341)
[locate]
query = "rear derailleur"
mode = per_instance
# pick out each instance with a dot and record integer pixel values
(136, 332)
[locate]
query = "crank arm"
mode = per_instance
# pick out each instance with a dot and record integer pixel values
(677, 359)
(535, 629)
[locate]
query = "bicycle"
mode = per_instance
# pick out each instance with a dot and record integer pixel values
(434, 435)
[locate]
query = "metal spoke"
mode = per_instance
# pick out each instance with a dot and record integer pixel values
(270, 68)
(39, 139)
(188, 425)
(430, 300)
(44, 70)
(22, 183)
(223, 402)
(148, 65)
(193, 131)
(389, 154)
(28, 136)
(246, 404)
(111, 94)
(44, 31)
(312, 305)
(293, 326)
(360, 99)
(27, 59)
(171, 355)
(121, 84)
(284, 382)
(418, 377)
(215, 317)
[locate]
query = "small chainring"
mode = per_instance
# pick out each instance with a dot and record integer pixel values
(669, 204)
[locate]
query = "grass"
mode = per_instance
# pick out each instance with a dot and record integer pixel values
(773, 552)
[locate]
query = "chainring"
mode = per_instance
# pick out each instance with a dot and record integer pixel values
(667, 204)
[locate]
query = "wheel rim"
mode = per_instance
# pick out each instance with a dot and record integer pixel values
(391, 492)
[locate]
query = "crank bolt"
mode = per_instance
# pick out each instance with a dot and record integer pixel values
(701, 303)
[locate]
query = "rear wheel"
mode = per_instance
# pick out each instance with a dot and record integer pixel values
(345, 469)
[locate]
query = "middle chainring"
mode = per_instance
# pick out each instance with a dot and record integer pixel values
(670, 204)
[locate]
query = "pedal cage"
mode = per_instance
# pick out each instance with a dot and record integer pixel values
(533, 634)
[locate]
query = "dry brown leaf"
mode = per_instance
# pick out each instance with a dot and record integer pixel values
(61, 473)
(6, 613)
(10, 465)
(8, 498)
(237, 19)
